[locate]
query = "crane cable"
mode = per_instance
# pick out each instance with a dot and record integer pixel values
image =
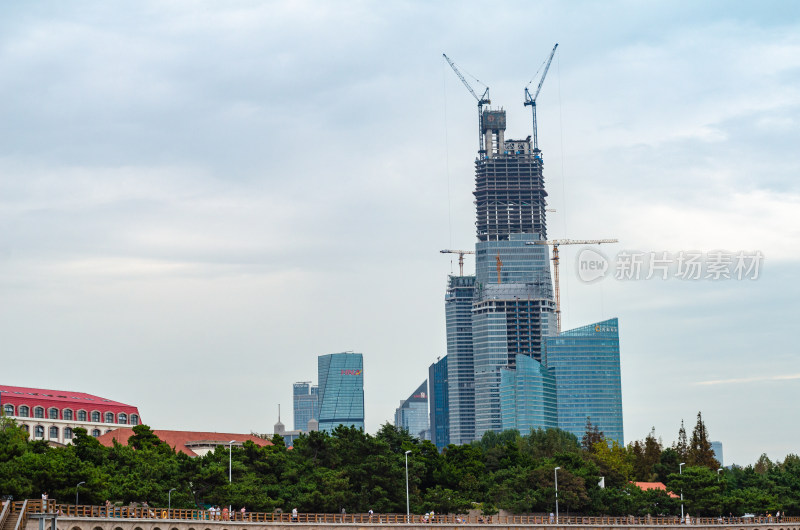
(447, 163)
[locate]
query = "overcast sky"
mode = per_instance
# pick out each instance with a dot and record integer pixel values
(198, 199)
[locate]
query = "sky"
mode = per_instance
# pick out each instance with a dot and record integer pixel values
(199, 198)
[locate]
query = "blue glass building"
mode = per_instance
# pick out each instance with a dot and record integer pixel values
(305, 397)
(460, 365)
(528, 396)
(341, 390)
(412, 414)
(585, 363)
(438, 403)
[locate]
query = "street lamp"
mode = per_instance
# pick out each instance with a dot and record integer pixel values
(76, 492)
(230, 460)
(718, 472)
(680, 472)
(556, 473)
(169, 501)
(408, 502)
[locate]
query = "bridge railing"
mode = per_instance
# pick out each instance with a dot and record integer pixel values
(140, 512)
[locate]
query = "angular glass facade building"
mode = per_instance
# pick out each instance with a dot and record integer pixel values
(586, 366)
(438, 403)
(305, 397)
(528, 396)
(341, 390)
(412, 414)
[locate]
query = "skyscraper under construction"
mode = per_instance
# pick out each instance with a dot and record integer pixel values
(505, 315)
(506, 309)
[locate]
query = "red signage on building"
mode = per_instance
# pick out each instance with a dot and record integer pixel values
(351, 372)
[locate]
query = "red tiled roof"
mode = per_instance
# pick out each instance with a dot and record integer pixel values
(180, 439)
(644, 486)
(17, 395)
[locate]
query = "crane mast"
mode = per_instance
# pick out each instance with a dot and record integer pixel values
(482, 100)
(555, 244)
(531, 100)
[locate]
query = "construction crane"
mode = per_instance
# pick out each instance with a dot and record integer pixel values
(460, 258)
(531, 100)
(555, 244)
(482, 100)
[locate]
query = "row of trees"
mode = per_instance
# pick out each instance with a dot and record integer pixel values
(357, 471)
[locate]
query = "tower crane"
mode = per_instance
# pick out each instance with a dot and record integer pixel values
(531, 100)
(460, 258)
(482, 100)
(555, 244)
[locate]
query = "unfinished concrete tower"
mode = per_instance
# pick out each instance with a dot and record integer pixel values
(509, 186)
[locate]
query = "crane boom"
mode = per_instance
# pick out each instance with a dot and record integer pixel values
(460, 258)
(555, 243)
(482, 100)
(531, 100)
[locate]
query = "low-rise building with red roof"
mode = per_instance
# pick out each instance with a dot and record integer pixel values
(53, 415)
(644, 486)
(192, 443)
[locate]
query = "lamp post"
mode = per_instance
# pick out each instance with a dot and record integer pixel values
(230, 460)
(718, 472)
(680, 472)
(169, 501)
(408, 502)
(76, 492)
(556, 473)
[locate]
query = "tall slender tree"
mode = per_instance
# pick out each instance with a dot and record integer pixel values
(699, 452)
(592, 435)
(682, 446)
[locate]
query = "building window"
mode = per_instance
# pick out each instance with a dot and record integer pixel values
(123, 418)
(67, 433)
(9, 409)
(38, 432)
(81, 415)
(52, 413)
(54, 433)
(134, 419)
(108, 431)
(95, 416)
(67, 414)
(24, 411)
(38, 412)
(109, 417)
(96, 432)
(27, 429)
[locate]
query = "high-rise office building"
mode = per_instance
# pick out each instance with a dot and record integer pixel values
(306, 404)
(341, 390)
(412, 414)
(527, 396)
(586, 367)
(717, 448)
(460, 363)
(438, 403)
